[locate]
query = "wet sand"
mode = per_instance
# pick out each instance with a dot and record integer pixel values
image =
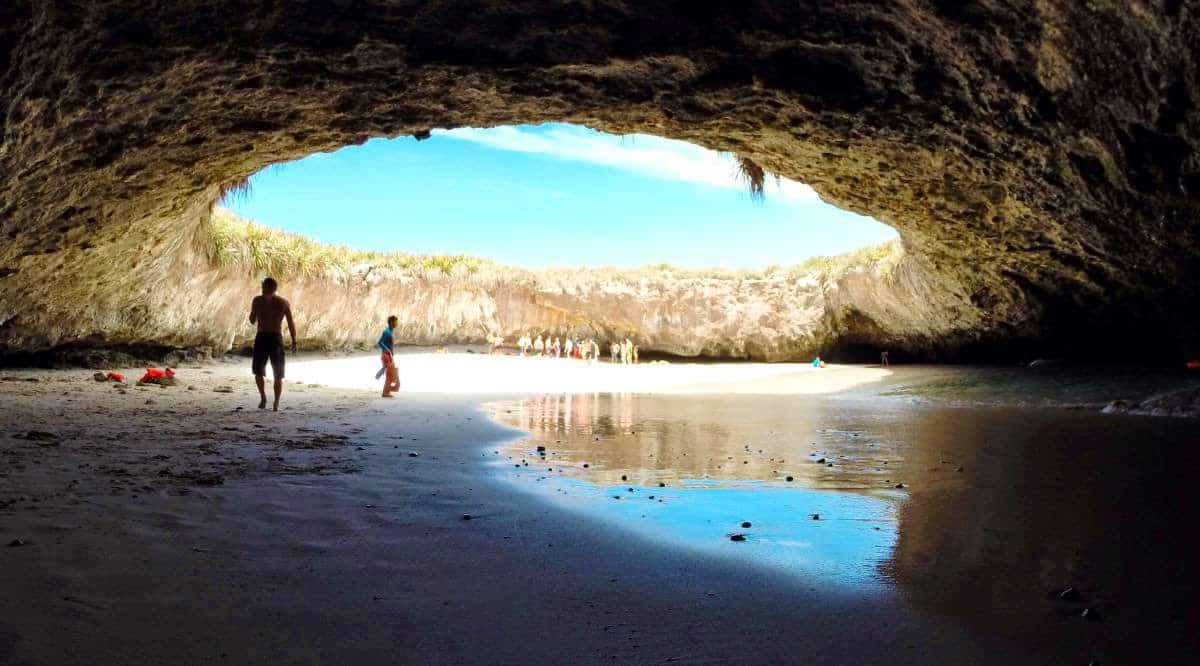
(311, 551)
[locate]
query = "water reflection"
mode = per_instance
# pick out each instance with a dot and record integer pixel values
(692, 469)
(999, 509)
(724, 439)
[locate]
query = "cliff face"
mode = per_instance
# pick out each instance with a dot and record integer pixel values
(1037, 156)
(783, 314)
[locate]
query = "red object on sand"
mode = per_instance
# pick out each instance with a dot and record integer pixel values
(116, 377)
(154, 375)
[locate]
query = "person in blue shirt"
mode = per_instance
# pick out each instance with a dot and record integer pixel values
(387, 347)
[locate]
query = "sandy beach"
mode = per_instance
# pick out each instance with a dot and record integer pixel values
(182, 525)
(457, 373)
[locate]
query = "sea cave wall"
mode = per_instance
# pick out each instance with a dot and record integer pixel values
(1038, 157)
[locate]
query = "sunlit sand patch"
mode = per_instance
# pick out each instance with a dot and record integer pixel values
(480, 373)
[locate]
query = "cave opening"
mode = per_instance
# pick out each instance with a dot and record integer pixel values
(694, 252)
(555, 195)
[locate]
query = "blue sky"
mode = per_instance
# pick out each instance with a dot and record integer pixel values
(551, 195)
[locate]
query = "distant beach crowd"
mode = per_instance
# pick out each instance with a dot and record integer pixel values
(619, 351)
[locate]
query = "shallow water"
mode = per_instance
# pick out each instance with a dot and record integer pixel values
(999, 510)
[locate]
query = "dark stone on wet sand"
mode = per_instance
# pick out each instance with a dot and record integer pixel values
(745, 523)
(737, 537)
(820, 461)
(816, 516)
(662, 485)
(467, 516)
(541, 449)
(413, 454)
(899, 485)
(624, 477)
(790, 479)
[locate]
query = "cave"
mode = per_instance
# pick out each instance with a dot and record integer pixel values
(1037, 158)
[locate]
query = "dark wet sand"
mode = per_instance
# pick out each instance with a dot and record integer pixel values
(379, 567)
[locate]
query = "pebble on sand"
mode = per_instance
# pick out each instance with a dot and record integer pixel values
(816, 516)
(899, 485)
(467, 516)
(413, 454)
(737, 537)
(790, 479)
(745, 524)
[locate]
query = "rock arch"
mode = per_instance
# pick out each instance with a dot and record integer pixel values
(1037, 156)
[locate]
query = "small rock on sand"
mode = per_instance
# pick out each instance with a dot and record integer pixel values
(467, 516)
(745, 523)
(209, 479)
(790, 479)
(816, 516)
(413, 454)
(223, 389)
(737, 537)
(100, 377)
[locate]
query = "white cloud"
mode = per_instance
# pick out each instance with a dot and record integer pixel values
(649, 156)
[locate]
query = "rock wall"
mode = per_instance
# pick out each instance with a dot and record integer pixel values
(773, 315)
(1038, 157)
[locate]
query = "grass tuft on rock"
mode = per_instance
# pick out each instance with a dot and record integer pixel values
(260, 250)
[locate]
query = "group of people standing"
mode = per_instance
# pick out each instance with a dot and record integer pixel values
(620, 351)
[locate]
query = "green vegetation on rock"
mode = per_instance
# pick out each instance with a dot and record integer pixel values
(242, 244)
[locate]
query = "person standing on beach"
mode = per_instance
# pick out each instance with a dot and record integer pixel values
(267, 313)
(883, 359)
(387, 355)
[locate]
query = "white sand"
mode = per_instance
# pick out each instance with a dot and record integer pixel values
(459, 373)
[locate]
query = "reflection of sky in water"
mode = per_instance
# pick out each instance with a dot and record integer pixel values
(723, 461)
(1000, 508)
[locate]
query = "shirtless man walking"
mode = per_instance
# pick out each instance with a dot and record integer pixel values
(268, 312)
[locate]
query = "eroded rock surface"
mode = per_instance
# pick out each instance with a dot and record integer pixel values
(1038, 157)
